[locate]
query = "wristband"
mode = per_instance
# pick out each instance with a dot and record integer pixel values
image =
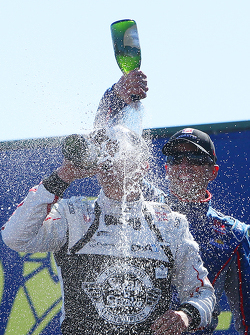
(193, 313)
(55, 184)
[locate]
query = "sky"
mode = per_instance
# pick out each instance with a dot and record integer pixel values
(57, 60)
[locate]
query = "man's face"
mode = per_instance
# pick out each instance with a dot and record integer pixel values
(121, 170)
(187, 180)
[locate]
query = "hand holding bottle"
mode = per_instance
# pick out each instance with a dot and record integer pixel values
(69, 172)
(81, 157)
(132, 84)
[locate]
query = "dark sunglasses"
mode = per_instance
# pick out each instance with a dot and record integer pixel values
(191, 157)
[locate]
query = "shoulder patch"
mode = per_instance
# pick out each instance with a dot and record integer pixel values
(219, 227)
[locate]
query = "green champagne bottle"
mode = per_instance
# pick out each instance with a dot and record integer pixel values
(128, 56)
(126, 45)
(81, 151)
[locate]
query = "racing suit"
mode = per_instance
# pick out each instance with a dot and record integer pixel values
(225, 250)
(224, 241)
(116, 261)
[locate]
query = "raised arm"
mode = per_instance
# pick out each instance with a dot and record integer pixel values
(39, 224)
(119, 96)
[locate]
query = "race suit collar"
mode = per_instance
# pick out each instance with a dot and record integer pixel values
(118, 208)
(208, 197)
(191, 209)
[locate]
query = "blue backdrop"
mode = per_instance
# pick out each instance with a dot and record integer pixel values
(25, 163)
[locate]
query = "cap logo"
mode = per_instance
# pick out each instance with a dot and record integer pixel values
(187, 131)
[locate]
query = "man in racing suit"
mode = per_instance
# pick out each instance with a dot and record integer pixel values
(224, 241)
(118, 255)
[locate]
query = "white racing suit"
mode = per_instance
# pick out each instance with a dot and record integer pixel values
(115, 260)
(224, 241)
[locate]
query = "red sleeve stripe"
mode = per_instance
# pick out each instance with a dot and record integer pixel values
(33, 189)
(241, 294)
(49, 218)
(223, 267)
(21, 203)
(198, 277)
(50, 205)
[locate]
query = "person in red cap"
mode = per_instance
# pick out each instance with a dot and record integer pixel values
(190, 166)
(224, 241)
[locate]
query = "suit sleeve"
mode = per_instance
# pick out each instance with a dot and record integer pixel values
(110, 105)
(237, 284)
(36, 225)
(191, 280)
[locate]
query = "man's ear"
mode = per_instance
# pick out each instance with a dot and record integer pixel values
(215, 170)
